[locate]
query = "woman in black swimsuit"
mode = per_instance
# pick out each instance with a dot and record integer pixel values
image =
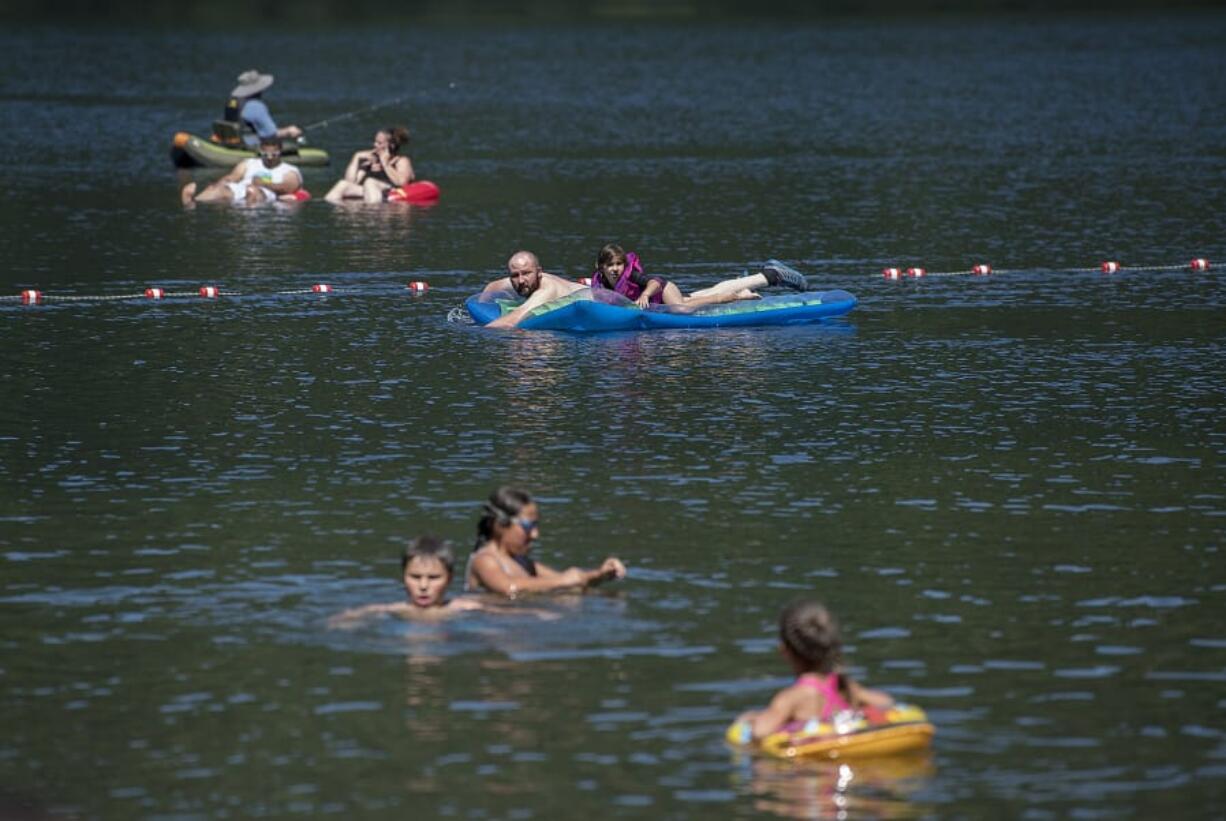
(371, 174)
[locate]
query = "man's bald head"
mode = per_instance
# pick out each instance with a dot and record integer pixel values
(524, 270)
(523, 260)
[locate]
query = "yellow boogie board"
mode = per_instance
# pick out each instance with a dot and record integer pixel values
(901, 728)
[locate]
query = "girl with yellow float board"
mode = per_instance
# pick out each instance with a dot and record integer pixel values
(825, 712)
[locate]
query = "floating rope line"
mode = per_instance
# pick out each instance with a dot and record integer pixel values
(984, 269)
(35, 297)
(31, 296)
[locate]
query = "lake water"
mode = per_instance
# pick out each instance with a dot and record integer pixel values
(1010, 488)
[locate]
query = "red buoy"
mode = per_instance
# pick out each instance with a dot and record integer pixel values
(31, 297)
(154, 293)
(891, 273)
(1199, 264)
(981, 270)
(322, 288)
(1110, 267)
(916, 273)
(209, 291)
(418, 287)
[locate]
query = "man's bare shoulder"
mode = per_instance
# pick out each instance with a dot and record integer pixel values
(558, 287)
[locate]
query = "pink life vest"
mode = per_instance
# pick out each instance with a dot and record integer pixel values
(625, 285)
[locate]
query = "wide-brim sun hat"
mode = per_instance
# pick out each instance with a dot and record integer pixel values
(251, 82)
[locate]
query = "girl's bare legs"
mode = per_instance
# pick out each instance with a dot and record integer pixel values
(672, 296)
(343, 190)
(773, 273)
(372, 190)
(733, 286)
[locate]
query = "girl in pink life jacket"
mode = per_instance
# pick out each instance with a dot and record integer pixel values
(622, 272)
(809, 639)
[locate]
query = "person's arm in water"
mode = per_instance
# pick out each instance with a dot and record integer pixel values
(770, 720)
(495, 579)
(546, 293)
(351, 618)
(356, 615)
(865, 697)
(611, 568)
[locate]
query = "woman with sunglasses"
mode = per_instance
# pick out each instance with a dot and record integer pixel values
(500, 563)
(372, 173)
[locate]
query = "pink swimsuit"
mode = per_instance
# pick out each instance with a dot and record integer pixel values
(828, 688)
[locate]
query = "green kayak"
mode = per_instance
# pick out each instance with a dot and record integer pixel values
(189, 151)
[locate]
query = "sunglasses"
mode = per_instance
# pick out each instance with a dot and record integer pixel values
(528, 525)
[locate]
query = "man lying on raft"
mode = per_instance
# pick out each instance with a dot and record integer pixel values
(533, 284)
(538, 287)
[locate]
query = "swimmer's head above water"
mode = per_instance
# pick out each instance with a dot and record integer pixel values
(426, 569)
(610, 263)
(524, 271)
(510, 517)
(810, 637)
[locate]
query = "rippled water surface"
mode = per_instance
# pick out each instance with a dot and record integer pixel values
(1011, 488)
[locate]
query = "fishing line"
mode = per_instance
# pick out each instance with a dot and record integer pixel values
(347, 115)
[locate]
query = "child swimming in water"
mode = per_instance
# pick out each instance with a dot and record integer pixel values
(622, 272)
(426, 569)
(809, 639)
(500, 563)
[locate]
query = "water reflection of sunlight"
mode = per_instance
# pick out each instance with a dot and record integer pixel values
(809, 788)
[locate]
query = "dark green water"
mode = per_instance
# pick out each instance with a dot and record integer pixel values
(1010, 488)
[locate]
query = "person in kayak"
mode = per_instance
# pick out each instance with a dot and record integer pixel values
(509, 524)
(528, 280)
(247, 108)
(373, 173)
(253, 182)
(622, 272)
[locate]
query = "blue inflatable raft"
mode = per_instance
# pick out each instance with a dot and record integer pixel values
(589, 311)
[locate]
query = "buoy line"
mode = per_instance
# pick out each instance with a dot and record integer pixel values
(31, 296)
(1197, 265)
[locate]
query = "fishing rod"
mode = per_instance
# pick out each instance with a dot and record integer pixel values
(349, 114)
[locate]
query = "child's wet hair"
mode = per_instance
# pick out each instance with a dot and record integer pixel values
(428, 547)
(504, 504)
(811, 633)
(609, 254)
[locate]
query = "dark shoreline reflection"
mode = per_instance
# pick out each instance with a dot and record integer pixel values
(359, 12)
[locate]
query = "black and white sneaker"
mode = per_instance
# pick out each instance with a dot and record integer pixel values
(777, 273)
